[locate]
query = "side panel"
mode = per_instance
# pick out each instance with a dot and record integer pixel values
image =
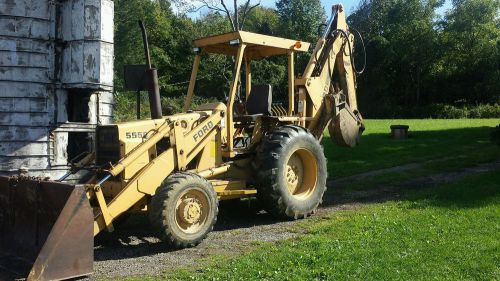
(131, 135)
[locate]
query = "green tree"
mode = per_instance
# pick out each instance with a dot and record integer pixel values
(400, 43)
(300, 20)
(215, 70)
(236, 13)
(263, 20)
(169, 38)
(470, 59)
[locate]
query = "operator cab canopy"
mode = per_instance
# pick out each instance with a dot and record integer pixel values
(258, 46)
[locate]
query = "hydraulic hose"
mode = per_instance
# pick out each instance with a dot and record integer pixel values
(329, 43)
(350, 49)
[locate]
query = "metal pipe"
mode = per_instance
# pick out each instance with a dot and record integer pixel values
(214, 171)
(146, 44)
(329, 26)
(104, 179)
(152, 73)
(154, 94)
(65, 176)
(84, 161)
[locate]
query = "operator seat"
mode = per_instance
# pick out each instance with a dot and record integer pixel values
(258, 103)
(260, 100)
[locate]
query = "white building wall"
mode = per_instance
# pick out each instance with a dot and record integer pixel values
(56, 62)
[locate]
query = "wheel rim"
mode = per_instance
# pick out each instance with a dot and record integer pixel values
(301, 174)
(191, 212)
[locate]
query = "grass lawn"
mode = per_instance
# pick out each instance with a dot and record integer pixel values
(450, 232)
(453, 141)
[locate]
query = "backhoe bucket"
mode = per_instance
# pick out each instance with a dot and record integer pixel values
(46, 230)
(346, 127)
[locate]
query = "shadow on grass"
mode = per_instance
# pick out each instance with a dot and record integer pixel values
(135, 239)
(377, 150)
(471, 192)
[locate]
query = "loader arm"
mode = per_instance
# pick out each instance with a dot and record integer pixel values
(184, 147)
(332, 102)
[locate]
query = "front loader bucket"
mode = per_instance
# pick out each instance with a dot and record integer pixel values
(46, 230)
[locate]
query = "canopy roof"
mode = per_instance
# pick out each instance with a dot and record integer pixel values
(258, 46)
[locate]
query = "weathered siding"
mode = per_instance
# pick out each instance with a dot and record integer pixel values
(50, 54)
(87, 29)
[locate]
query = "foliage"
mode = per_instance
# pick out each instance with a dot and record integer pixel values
(264, 21)
(417, 58)
(398, 35)
(420, 64)
(300, 20)
(236, 14)
(442, 111)
(169, 38)
(469, 64)
(126, 105)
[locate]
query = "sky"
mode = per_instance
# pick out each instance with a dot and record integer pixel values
(349, 6)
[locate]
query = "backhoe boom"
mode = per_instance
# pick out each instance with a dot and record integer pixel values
(333, 55)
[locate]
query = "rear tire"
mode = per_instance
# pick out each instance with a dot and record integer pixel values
(291, 169)
(184, 210)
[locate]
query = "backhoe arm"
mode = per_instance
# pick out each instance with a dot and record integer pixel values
(327, 89)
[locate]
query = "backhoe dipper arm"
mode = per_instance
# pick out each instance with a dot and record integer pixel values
(327, 100)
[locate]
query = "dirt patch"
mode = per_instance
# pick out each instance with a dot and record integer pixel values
(388, 192)
(402, 168)
(132, 251)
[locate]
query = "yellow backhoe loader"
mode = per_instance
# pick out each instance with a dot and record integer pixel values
(178, 167)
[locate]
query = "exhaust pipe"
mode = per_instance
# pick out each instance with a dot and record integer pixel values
(152, 74)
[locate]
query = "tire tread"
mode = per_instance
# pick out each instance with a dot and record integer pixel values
(158, 209)
(267, 158)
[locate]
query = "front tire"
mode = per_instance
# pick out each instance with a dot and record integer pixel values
(291, 172)
(184, 210)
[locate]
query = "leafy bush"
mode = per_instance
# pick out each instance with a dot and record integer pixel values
(172, 105)
(495, 135)
(451, 112)
(485, 111)
(436, 111)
